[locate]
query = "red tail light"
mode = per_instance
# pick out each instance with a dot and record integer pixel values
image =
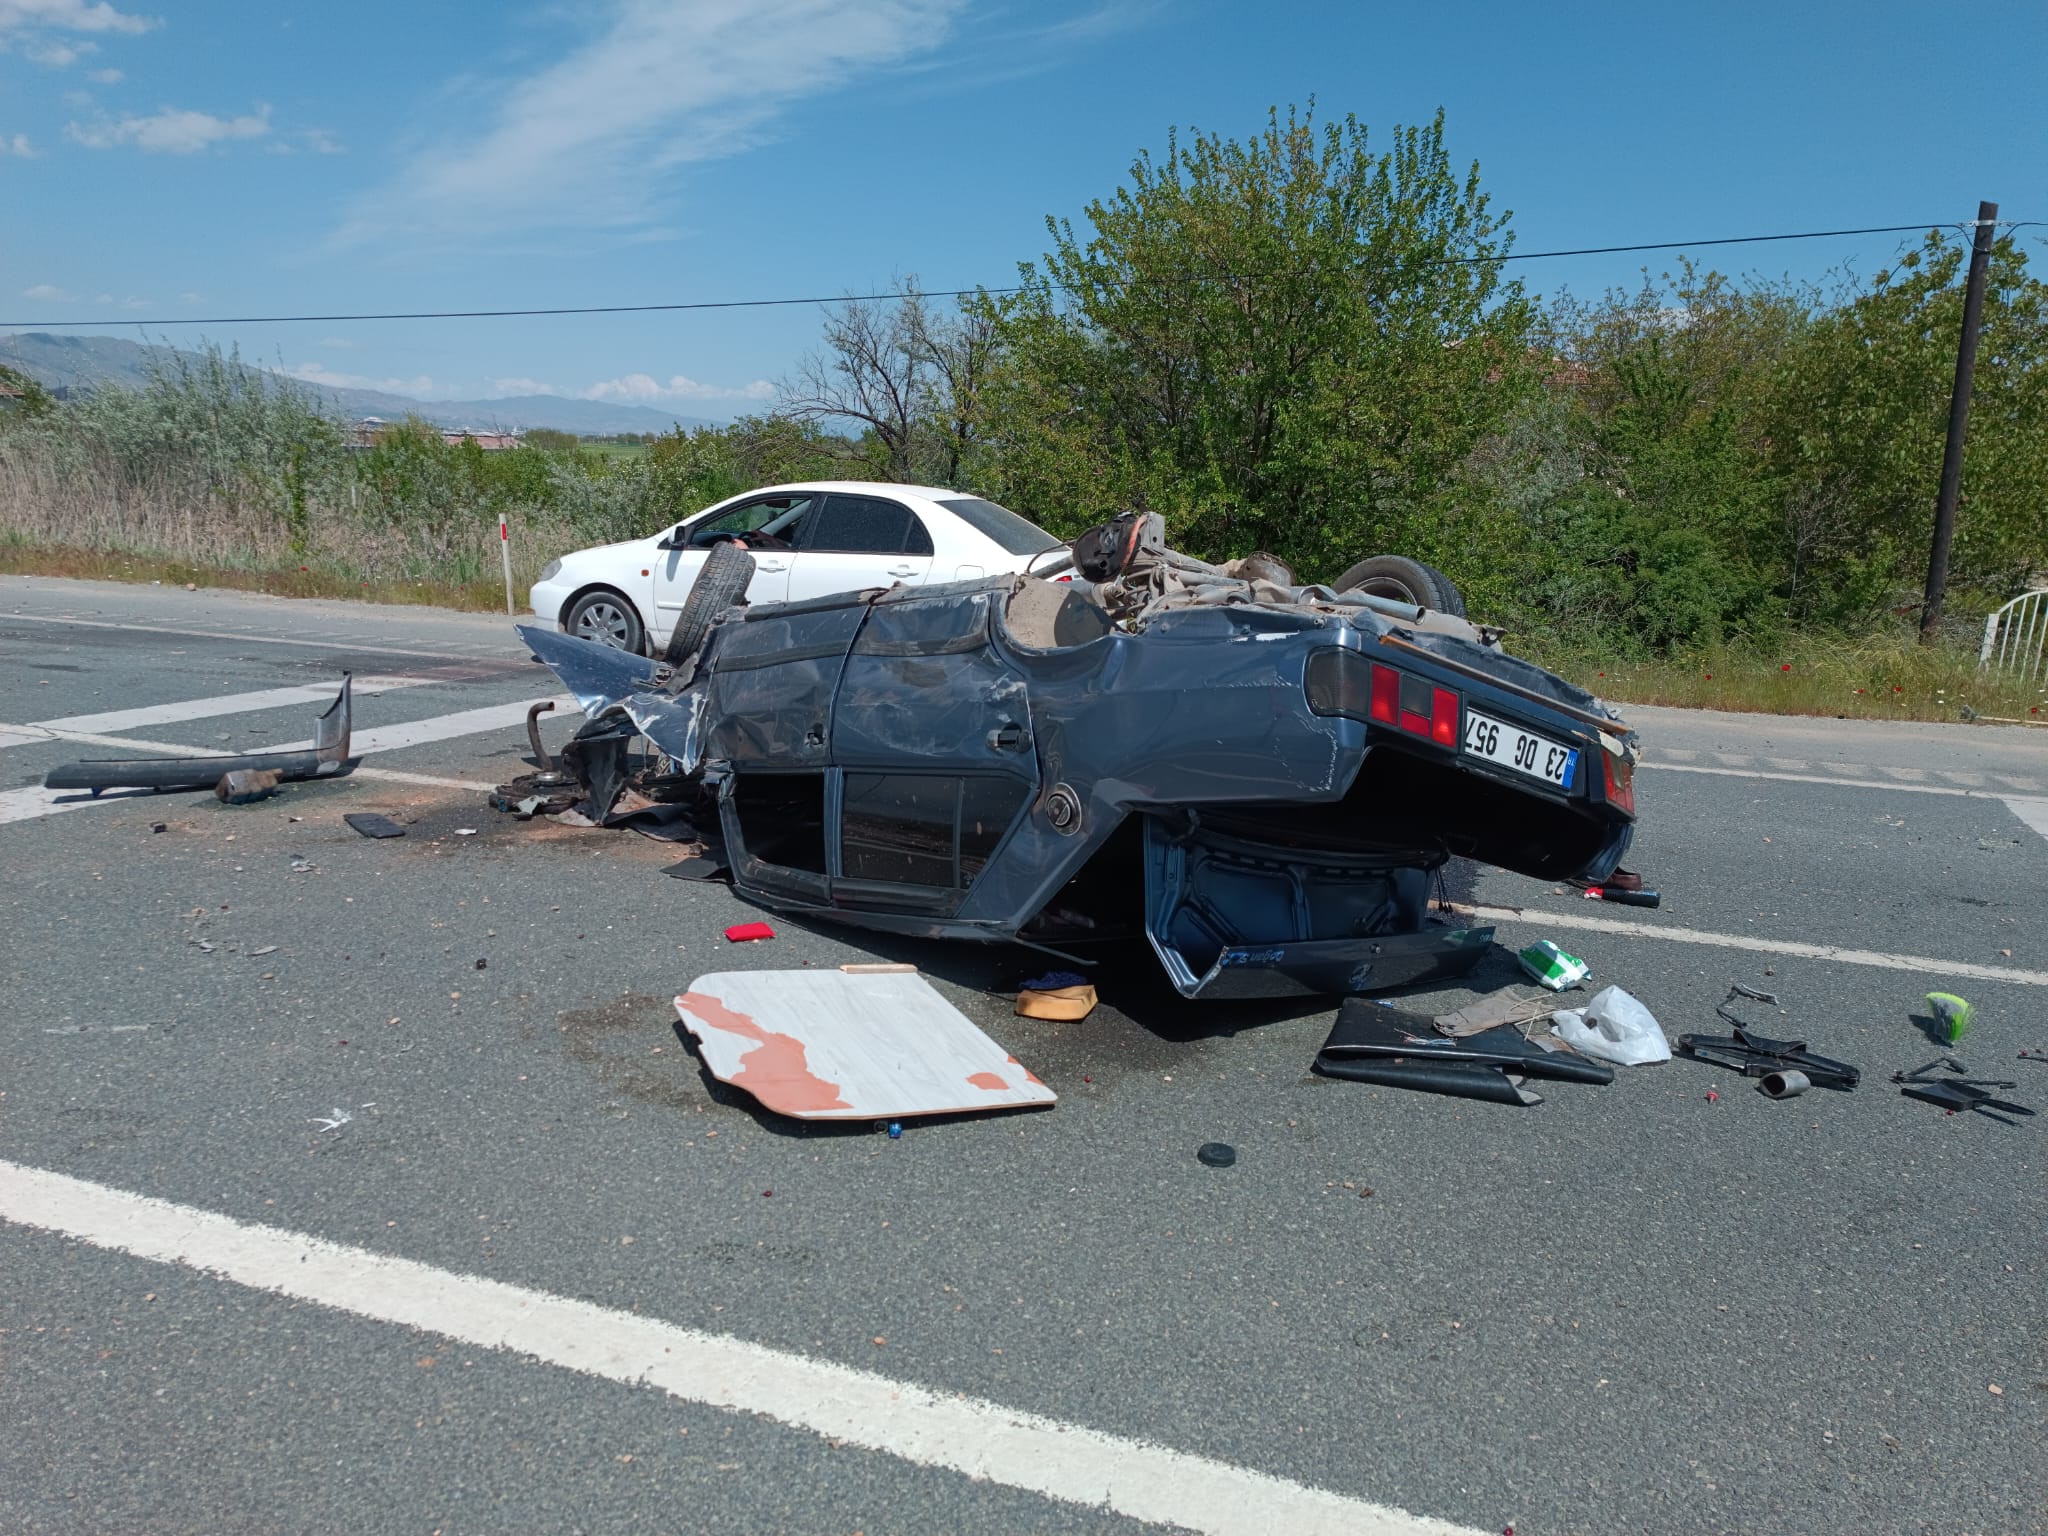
(1443, 718)
(1621, 781)
(1336, 679)
(1386, 694)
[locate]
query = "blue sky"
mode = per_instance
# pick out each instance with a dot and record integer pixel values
(182, 159)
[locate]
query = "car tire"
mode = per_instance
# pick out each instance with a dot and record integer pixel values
(609, 618)
(1448, 598)
(728, 568)
(1405, 581)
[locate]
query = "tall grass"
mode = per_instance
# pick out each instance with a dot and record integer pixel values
(214, 466)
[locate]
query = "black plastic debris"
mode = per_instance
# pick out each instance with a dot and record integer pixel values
(1375, 1044)
(370, 824)
(1755, 1055)
(697, 867)
(1216, 1154)
(1959, 1094)
(328, 757)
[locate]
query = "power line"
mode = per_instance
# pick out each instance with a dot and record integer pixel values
(940, 293)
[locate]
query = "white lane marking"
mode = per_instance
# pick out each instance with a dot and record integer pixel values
(468, 722)
(2033, 812)
(1808, 778)
(34, 801)
(225, 704)
(217, 634)
(1545, 917)
(20, 736)
(972, 1436)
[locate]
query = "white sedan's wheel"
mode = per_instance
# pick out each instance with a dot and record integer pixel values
(607, 618)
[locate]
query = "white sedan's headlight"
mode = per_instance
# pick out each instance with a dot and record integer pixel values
(551, 570)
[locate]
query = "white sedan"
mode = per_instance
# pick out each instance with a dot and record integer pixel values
(807, 540)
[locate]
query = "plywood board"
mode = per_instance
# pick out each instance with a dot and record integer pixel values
(825, 1045)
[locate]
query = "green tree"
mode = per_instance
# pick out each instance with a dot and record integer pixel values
(1292, 343)
(1858, 421)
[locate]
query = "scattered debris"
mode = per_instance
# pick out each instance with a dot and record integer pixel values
(697, 867)
(465, 831)
(1491, 1011)
(1952, 1014)
(1058, 995)
(159, 826)
(335, 1121)
(745, 933)
(268, 949)
(1960, 1093)
(328, 757)
(245, 786)
(825, 1045)
(1216, 1154)
(370, 824)
(879, 968)
(571, 818)
(1622, 897)
(1755, 1055)
(301, 865)
(1615, 1027)
(1374, 1043)
(1551, 967)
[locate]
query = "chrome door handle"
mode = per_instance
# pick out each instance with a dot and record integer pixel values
(768, 565)
(1007, 737)
(902, 570)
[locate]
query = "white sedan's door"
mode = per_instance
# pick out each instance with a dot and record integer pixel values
(774, 520)
(853, 542)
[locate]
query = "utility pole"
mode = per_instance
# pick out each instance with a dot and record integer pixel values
(1958, 423)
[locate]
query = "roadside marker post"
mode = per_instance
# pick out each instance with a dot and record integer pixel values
(505, 548)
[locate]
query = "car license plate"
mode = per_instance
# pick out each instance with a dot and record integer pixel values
(1523, 751)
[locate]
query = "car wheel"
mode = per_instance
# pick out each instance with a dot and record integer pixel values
(721, 583)
(1404, 581)
(607, 617)
(1448, 598)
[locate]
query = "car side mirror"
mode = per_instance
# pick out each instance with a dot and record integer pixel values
(670, 540)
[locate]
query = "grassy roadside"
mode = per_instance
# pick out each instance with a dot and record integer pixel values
(1873, 678)
(18, 559)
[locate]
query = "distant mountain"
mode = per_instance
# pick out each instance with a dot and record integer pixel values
(83, 362)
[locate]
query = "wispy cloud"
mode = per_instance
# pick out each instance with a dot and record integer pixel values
(644, 389)
(105, 76)
(53, 54)
(320, 373)
(587, 140)
(18, 146)
(173, 131)
(48, 293)
(131, 302)
(69, 16)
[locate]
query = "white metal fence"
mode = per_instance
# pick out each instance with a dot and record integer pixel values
(2016, 638)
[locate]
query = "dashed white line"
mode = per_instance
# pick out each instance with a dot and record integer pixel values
(1659, 932)
(1808, 778)
(224, 704)
(972, 1436)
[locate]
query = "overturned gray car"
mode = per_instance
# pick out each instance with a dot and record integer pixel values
(1265, 779)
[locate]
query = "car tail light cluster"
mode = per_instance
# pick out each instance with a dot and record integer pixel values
(1345, 683)
(1621, 780)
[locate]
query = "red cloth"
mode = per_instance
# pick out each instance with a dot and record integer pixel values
(739, 933)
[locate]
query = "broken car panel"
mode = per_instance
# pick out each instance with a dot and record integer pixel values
(328, 757)
(1266, 777)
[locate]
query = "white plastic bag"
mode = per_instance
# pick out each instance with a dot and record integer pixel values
(1613, 1027)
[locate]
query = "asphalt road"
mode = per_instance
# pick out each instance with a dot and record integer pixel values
(1626, 1309)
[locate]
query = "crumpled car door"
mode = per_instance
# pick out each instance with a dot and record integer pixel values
(932, 752)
